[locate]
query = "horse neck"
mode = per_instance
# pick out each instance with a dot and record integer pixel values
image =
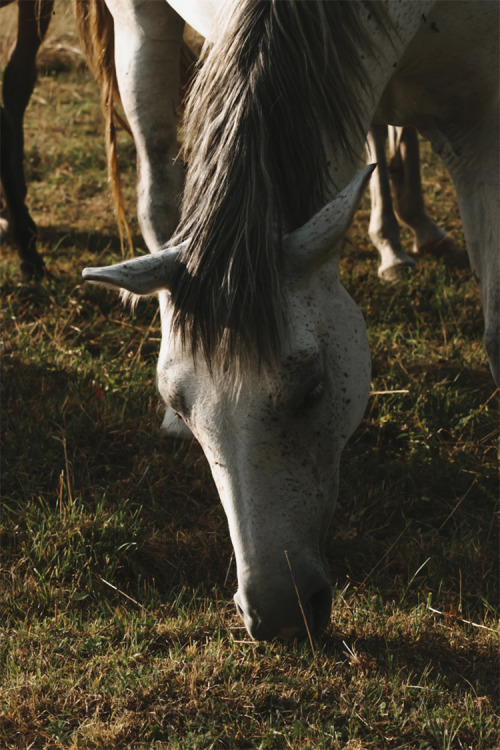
(404, 20)
(257, 160)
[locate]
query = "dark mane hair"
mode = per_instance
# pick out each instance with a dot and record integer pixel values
(278, 77)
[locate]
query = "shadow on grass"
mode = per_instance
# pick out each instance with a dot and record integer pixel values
(107, 434)
(105, 239)
(434, 653)
(59, 244)
(110, 444)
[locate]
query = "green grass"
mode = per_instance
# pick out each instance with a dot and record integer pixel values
(116, 574)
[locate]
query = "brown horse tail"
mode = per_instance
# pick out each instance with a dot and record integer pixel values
(95, 28)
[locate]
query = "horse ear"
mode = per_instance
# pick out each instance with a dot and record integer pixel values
(145, 275)
(308, 247)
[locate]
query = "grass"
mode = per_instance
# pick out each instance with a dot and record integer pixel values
(116, 575)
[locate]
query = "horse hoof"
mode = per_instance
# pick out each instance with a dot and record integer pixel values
(32, 271)
(396, 273)
(444, 246)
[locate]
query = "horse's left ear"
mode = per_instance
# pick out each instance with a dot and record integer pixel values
(145, 275)
(308, 247)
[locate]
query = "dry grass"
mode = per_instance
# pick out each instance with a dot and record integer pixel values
(116, 623)
(60, 51)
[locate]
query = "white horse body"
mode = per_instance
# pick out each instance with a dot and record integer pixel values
(274, 443)
(200, 15)
(448, 88)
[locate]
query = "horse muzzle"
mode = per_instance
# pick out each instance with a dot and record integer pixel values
(289, 612)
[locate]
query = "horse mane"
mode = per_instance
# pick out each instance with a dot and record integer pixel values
(278, 76)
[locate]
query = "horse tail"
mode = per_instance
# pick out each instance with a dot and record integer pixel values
(95, 29)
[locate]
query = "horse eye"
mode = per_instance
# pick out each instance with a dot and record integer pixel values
(177, 402)
(313, 395)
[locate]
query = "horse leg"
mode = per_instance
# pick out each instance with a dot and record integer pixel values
(18, 83)
(472, 157)
(20, 223)
(383, 228)
(404, 171)
(148, 38)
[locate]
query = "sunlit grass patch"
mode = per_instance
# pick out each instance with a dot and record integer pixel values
(117, 627)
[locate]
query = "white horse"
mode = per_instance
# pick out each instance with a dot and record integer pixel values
(264, 355)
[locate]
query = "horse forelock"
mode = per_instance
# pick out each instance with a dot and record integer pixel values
(274, 82)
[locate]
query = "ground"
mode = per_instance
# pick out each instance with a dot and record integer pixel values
(116, 572)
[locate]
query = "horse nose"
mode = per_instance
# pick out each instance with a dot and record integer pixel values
(285, 617)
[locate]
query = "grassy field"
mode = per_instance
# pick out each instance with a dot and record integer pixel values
(116, 575)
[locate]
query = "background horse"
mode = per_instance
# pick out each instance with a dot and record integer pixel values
(403, 170)
(96, 27)
(18, 83)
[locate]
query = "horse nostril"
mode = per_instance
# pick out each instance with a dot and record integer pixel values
(316, 612)
(286, 618)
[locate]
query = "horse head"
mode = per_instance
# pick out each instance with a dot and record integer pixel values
(273, 438)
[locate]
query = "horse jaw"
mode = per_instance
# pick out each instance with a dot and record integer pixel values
(274, 448)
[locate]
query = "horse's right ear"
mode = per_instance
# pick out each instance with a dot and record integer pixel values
(308, 247)
(145, 275)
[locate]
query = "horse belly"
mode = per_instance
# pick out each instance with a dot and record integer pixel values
(450, 69)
